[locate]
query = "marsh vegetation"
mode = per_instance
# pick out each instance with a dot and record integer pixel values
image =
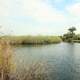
(37, 70)
(33, 40)
(8, 70)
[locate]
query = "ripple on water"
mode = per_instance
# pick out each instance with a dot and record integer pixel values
(63, 60)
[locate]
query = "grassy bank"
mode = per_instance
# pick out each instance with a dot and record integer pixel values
(31, 40)
(34, 71)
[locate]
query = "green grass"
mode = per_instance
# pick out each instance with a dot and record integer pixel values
(30, 40)
(76, 41)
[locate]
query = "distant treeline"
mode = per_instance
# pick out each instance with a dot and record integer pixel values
(71, 36)
(32, 39)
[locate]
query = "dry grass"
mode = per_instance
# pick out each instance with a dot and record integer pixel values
(35, 71)
(5, 59)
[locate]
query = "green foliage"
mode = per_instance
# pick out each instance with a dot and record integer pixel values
(30, 40)
(72, 29)
(70, 36)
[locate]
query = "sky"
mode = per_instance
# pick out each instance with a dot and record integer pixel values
(39, 17)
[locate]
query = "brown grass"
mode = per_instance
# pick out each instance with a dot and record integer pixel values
(5, 59)
(35, 71)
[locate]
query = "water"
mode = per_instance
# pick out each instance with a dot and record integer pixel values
(63, 60)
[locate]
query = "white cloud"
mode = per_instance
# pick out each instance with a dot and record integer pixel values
(73, 12)
(4, 7)
(41, 11)
(37, 9)
(74, 9)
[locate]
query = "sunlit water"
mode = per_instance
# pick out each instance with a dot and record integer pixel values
(63, 60)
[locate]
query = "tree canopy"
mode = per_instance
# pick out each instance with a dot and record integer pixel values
(70, 35)
(72, 29)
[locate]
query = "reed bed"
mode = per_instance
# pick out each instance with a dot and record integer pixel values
(35, 71)
(8, 71)
(6, 65)
(33, 40)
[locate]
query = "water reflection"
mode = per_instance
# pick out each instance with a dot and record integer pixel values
(63, 60)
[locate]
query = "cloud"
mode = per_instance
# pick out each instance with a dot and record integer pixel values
(43, 15)
(4, 7)
(37, 9)
(74, 9)
(73, 15)
(40, 11)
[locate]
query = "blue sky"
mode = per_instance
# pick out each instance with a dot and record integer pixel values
(60, 4)
(39, 17)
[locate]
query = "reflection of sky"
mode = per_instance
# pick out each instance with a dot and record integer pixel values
(62, 60)
(39, 16)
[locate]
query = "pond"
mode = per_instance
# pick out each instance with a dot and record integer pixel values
(60, 61)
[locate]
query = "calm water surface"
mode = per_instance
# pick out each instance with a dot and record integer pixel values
(63, 60)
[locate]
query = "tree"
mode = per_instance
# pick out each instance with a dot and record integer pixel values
(69, 37)
(72, 29)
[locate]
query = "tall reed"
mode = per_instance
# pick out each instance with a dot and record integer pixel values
(35, 71)
(5, 59)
